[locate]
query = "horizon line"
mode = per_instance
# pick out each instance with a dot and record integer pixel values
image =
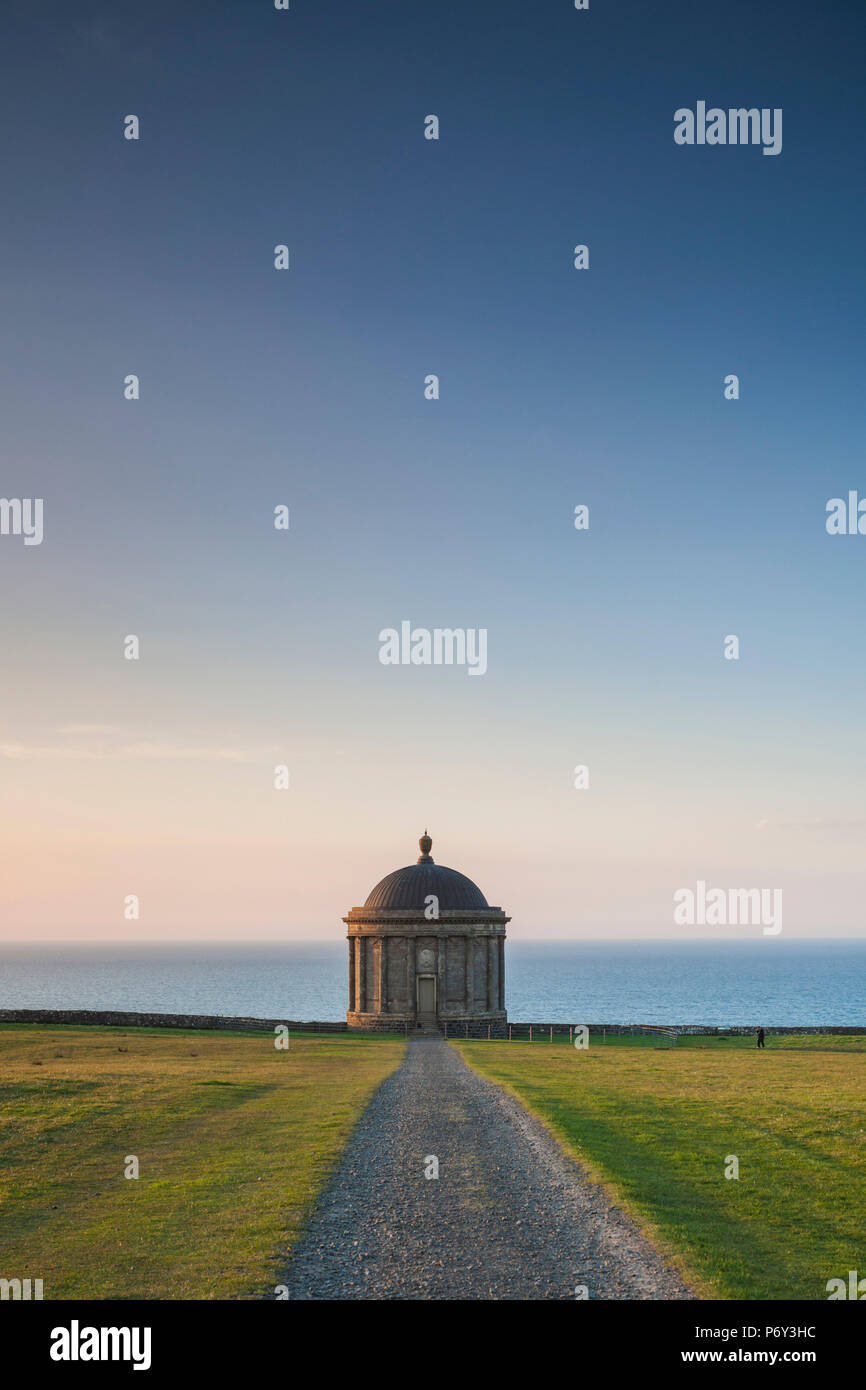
(318, 941)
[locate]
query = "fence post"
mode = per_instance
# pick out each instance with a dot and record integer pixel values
(530, 1032)
(509, 1032)
(488, 1032)
(551, 1032)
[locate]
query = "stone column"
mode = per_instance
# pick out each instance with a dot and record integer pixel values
(501, 946)
(469, 943)
(441, 966)
(383, 974)
(411, 1002)
(492, 974)
(361, 974)
(351, 973)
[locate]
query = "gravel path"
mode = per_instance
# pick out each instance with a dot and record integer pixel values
(510, 1215)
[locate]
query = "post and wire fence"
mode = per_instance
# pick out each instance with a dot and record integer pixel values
(549, 1032)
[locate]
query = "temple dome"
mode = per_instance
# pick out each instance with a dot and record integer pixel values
(408, 888)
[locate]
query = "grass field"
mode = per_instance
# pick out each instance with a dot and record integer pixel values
(234, 1140)
(656, 1126)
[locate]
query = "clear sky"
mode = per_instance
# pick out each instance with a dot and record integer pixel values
(306, 387)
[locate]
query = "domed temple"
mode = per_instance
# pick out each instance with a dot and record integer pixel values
(425, 951)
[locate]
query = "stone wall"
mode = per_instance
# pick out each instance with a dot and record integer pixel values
(704, 1030)
(456, 1026)
(128, 1020)
(474, 1028)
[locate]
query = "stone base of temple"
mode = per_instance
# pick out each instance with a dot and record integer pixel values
(493, 1025)
(381, 1023)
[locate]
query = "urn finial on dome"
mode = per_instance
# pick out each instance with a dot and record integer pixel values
(425, 844)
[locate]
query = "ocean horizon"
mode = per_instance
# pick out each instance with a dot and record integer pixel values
(722, 984)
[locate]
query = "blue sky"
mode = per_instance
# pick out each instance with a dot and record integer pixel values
(306, 387)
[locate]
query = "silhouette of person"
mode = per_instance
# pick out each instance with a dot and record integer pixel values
(760, 1037)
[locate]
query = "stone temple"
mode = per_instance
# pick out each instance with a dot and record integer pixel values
(425, 951)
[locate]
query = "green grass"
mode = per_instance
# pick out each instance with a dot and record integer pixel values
(655, 1125)
(234, 1140)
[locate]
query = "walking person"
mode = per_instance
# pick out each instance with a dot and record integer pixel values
(760, 1037)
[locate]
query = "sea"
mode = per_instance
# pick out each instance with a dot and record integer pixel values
(766, 981)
